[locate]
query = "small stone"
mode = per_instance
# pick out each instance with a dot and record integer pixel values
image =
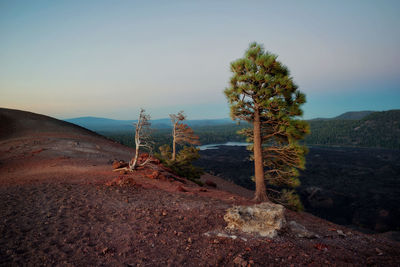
(300, 231)
(240, 261)
(340, 232)
(153, 175)
(164, 213)
(189, 240)
(222, 235)
(380, 252)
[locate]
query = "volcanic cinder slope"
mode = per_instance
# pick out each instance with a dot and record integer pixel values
(56, 209)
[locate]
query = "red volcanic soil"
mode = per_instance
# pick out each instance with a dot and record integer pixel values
(60, 205)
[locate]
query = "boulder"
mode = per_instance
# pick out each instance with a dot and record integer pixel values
(300, 231)
(265, 219)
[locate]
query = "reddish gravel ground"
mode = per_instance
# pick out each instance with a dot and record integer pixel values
(58, 208)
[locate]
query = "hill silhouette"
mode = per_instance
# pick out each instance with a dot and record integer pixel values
(350, 115)
(61, 207)
(110, 125)
(354, 115)
(16, 123)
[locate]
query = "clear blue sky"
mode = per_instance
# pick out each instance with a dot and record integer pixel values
(109, 58)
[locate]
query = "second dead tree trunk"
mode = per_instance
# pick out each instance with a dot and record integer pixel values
(181, 133)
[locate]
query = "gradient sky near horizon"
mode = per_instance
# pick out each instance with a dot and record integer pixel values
(109, 58)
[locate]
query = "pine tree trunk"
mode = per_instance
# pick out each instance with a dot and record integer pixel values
(260, 194)
(173, 149)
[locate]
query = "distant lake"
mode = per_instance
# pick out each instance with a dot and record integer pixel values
(215, 146)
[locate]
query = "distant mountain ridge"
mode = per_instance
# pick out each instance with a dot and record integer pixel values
(372, 129)
(354, 115)
(106, 125)
(350, 115)
(102, 124)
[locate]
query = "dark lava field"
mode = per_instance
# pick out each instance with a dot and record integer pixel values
(357, 187)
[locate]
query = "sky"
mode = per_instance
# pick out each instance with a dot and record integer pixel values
(110, 58)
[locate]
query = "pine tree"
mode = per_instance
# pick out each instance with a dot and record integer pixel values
(263, 93)
(181, 133)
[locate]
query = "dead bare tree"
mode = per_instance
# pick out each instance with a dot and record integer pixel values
(142, 139)
(181, 133)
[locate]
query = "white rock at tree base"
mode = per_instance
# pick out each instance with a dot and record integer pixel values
(264, 219)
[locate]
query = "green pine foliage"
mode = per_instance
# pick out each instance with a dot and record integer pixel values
(165, 153)
(291, 200)
(183, 163)
(260, 83)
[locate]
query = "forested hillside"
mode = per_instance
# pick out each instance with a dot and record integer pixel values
(378, 129)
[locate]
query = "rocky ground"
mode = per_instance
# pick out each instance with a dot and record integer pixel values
(60, 205)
